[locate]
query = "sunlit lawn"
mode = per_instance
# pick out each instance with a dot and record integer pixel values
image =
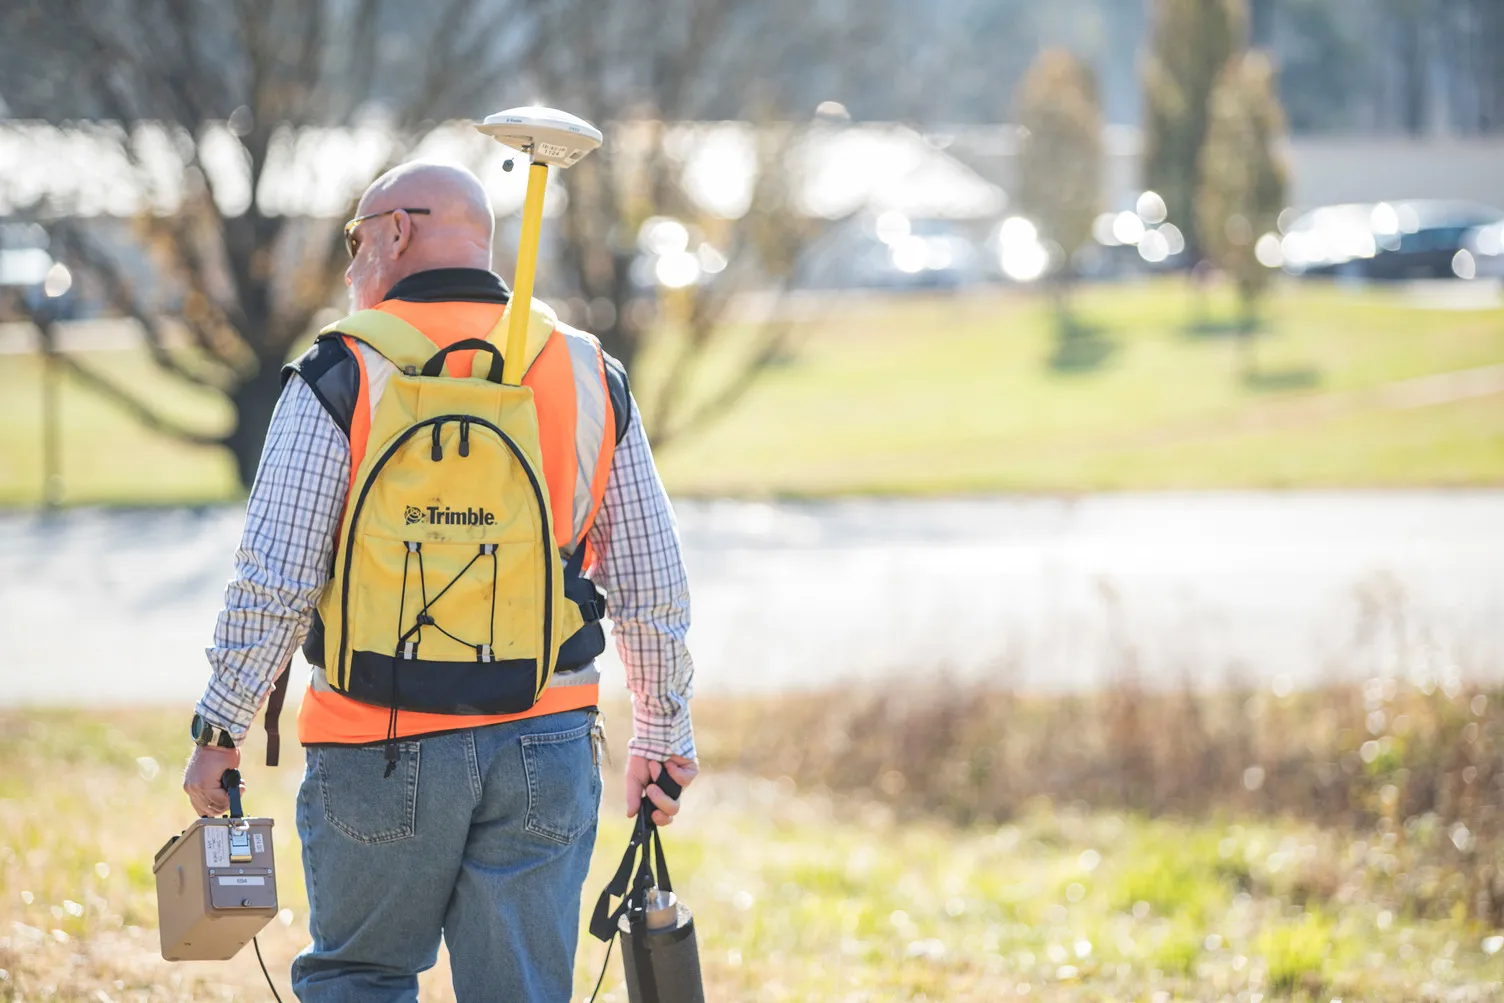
(917, 396)
(798, 896)
(934, 394)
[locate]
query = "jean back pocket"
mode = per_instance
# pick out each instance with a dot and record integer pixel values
(360, 800)
(563, 784)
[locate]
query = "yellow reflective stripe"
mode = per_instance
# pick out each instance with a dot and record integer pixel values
(590, 423)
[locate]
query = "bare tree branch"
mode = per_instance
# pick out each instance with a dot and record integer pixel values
(773, 348)
(265, 72)
(123, 298)
(137, 408)
(47, 329)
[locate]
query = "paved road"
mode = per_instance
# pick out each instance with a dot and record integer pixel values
(1045, 593)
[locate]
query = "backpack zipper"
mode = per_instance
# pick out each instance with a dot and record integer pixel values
(365, 489)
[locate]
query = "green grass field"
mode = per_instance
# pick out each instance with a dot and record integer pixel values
(934, 394)
(799, 896)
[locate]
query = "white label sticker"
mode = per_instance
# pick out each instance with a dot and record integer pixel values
(258, 842)
(216, 846)
(551, 150)
(241, 879)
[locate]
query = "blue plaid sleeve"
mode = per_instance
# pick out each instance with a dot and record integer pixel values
(642, 570)
(282, 564)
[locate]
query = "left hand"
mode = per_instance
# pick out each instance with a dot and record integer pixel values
(640, 776)
(201, 779)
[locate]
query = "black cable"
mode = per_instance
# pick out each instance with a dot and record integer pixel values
(274, 988)
(604, 964)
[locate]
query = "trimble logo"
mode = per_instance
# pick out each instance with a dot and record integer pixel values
(436, 516)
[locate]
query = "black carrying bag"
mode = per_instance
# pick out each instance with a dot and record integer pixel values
(662, 963)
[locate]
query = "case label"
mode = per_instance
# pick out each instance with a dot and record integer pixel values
(216, 846)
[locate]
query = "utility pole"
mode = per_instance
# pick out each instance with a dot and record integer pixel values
(59, 280)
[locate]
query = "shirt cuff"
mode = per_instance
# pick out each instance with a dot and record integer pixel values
(224, 709)
(660, 737)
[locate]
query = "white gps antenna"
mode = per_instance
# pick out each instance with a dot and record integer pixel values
(551, 138)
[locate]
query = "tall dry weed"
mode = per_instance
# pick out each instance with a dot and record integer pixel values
(1420, 767)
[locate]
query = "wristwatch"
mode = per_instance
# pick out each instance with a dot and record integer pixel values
(205, 734)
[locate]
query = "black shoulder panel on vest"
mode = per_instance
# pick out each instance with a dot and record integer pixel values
(333, 375)
(621, 395)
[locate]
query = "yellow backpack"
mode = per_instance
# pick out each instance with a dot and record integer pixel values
(447, 594)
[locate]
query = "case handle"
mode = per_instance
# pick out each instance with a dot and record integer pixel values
(230, 781)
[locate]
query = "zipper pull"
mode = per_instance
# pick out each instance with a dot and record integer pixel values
(438, 448)
(464, 436)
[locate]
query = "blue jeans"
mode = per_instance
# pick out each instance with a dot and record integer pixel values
(481, 836)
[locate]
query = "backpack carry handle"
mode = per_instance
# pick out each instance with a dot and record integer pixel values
(435, 365)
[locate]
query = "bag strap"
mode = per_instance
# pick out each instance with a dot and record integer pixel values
(401, 344)
(581, 590)
(405, 346)
(273, 713)
(604, 921)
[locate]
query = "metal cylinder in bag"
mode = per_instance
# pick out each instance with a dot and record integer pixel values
(660, 955)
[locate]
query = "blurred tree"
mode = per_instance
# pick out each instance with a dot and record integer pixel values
(213, 261)
(1059, 182)
(1323, 66)
(650, 66)
(1243, 180)
(1193, 40)
(161, 82)
(1410, 23)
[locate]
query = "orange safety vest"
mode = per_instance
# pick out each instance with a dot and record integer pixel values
(578, 432)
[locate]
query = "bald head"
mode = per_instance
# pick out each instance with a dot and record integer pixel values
(455, 233)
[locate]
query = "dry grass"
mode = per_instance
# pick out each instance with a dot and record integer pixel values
(1422, 769)
(802, 894)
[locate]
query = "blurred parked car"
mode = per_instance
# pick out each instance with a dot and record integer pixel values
(893, 251)
(1484, 250)
(1414, 239)
(30, 280)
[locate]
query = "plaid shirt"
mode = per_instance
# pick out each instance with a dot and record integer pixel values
(283, 561)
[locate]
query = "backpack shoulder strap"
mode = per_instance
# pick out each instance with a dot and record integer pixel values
(399, 342)
(403, 345)
(541, 324)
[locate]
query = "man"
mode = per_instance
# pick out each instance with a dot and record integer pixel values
(414, 825)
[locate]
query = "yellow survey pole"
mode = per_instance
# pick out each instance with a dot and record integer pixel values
(521, 307)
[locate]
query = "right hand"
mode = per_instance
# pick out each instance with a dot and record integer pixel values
(640, 776)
